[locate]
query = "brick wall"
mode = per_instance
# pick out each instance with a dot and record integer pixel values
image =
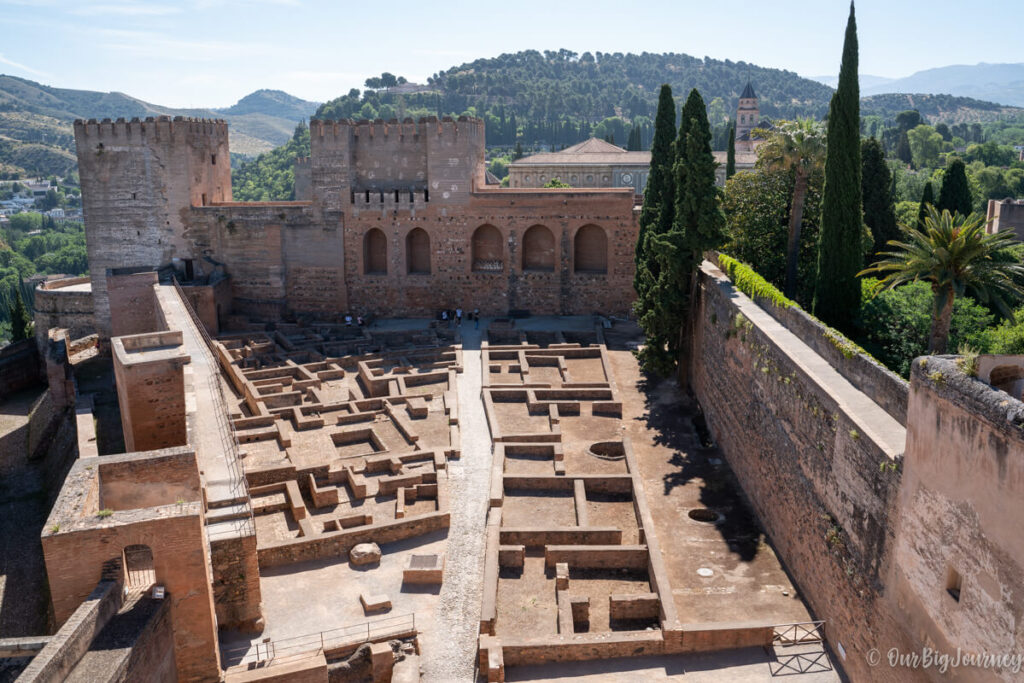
(61, 304)
(809, 461)
(236, 582)
(19, 366)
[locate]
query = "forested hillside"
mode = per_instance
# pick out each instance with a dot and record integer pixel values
(558, 98)
(36, 138)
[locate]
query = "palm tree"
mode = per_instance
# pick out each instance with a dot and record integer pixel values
(798, 146)
(955, 254)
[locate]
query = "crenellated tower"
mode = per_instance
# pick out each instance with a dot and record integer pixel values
(432, 160)
(139, 179)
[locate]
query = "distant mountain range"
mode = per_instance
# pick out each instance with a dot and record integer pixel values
(1002, 83)
(36, 135)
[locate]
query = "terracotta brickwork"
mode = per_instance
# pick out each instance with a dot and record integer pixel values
(387, 226)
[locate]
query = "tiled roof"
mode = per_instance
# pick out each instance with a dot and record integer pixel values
(748, 92)
(592, 151)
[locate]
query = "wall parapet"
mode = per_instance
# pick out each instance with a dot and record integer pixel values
(879, 383)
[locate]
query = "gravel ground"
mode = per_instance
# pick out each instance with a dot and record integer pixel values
(450, 654)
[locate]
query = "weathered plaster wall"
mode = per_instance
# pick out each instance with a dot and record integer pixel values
(961, 502)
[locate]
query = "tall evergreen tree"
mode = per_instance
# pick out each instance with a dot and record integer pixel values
(699, 224)
(659, 198)
(837, 290)
(876, 188)
(20, 320)
(903, 152)
(730, 155)
(955, 195)
(927, 198)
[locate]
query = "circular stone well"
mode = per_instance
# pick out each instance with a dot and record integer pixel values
(607, 450)
(704, 515)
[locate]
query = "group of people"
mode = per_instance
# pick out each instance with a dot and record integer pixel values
(358, 320)
(455, 315)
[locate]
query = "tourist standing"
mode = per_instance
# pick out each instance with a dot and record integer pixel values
(458, 317)
(476, 317)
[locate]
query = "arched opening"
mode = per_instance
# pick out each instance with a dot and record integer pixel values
(417, 252)
(375, 253)
(488, 255)
(138, 567)
(538, 249)
(590, 250)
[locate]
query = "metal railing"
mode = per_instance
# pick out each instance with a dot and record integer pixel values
(798, 633)
(237, 485)
(267, 651)
(788, 658)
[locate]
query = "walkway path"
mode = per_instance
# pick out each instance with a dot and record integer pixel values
(451, 657)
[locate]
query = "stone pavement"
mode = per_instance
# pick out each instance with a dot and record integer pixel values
(449, 655)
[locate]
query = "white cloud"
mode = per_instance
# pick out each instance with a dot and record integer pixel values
(22, 67)
(155, 45)
(132, 9)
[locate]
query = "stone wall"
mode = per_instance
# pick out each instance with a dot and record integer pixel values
(817, 458)
(137, 177)
(64, 303)
(19, 366)
(1007, 214)
(236, 582)
(132, 306)
(958, 572)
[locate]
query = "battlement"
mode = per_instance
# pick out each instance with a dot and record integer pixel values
(396, 200)
(160, 127)
(406, 128)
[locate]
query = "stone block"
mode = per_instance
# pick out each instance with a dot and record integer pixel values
(424, 569)
(512, 556)
(562, 576)
(375, 603)
(364, 554)
(382, 662)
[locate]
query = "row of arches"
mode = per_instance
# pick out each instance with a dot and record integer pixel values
(539, 251)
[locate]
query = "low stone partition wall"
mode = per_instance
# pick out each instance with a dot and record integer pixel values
(597, 556)
(338, 543)
(577, 535)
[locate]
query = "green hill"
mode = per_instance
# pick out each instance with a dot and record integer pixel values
(35, 122)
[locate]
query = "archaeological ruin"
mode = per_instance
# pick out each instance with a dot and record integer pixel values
(248, 447)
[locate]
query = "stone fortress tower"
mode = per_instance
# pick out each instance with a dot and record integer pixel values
(139, 180)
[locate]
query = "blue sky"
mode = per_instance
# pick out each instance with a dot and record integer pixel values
(208, 53)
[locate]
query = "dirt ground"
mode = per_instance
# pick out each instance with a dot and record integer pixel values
(681, 473)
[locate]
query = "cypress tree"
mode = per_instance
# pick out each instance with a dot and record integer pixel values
(730, 156)
(927, 197)
(903, 148)
(955, 195)
(659, 197)
(837, 290)
(876, 188)
(699, 224)
(20, 321)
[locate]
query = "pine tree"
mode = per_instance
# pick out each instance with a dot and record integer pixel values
(955, 195)
(730, 155)
(659, 198)
(519, 151)
(20, 320)
(876, 189)
(837, 290)
(927, 198)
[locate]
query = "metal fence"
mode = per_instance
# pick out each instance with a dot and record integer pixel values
(238, 485)
(267, 651)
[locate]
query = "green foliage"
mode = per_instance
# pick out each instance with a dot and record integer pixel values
(876, 181)
(840, 256)
(659, 199)
(897, 322)
(925, 145)
(271, 176)
(21, 322)
(747, 280)
(927, 199)
(556, 182)
(955, 195)
(955, 256)
(730, 158)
